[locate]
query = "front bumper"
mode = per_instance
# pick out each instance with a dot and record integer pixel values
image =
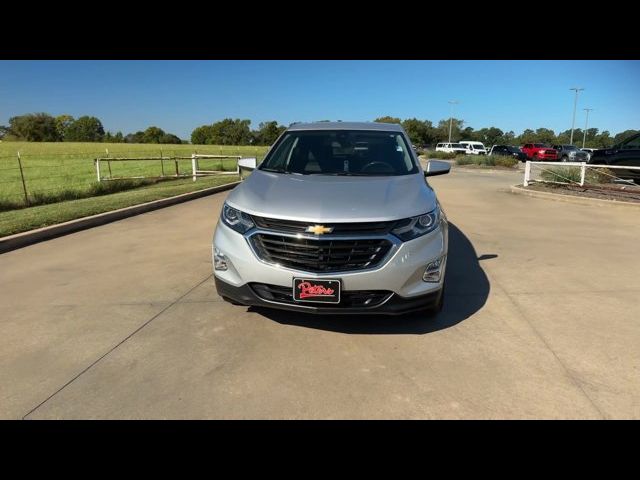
(400, 273)
(394, 305)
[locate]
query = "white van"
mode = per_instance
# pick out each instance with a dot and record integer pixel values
(474, 148)
(451, 148)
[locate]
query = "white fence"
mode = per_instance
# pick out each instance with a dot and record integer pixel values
(584, 167)
(242, 164)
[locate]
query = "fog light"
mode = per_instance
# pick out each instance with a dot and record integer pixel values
(219, 260)
(433, 272)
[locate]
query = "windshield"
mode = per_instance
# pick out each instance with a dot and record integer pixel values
(569, 147)
(457, 145)
(540, 145)
(341, 152)
(513, 149)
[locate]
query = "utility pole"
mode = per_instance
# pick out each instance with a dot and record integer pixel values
(452, 103)
(586, 123)
(575, 103)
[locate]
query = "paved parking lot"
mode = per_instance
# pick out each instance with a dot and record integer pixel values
(122, 321)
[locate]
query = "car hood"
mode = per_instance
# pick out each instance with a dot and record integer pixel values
(324, 198)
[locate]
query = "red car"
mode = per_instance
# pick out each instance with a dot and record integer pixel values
(539, 152)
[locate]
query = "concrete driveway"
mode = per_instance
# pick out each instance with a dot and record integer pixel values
(122, 321)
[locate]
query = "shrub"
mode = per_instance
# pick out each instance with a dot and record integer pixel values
(487, 160)
(442, 155)
(572, 175)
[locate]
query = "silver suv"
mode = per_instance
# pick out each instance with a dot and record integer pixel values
(338, 218)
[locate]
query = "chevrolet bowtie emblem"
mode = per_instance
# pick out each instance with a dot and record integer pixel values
(318, 229)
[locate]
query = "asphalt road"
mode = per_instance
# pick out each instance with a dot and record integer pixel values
(122, 321)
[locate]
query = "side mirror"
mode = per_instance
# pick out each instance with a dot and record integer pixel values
(246, 166)
(437, 167)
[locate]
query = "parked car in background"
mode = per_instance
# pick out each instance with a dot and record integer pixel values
(451, 148)
(474, 148)
(589, 152)
(539, 152)
(508, 151)
(625, 153)
(570, 153)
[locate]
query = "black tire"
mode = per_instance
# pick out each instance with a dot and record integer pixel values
(564, 158)
(232, 302)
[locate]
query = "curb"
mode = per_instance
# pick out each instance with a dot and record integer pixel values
(573, 198)
(19, 240)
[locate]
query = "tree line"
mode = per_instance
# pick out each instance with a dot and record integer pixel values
(42, 127)
(423, 132)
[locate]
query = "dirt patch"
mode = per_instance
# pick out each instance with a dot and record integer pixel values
(624, 193)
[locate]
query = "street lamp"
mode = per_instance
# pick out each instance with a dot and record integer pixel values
(586, 123)
(575, 103)
(452, 103)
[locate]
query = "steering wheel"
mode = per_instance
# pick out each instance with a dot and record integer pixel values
(376, 167)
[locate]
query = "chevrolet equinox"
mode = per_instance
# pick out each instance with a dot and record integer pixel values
(338, 218)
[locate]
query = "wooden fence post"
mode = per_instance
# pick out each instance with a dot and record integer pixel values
(109, 163)
(24, 185)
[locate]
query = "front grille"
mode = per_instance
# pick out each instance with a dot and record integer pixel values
(549, 152)
(311, 255)
(348, 299)
(292, 226)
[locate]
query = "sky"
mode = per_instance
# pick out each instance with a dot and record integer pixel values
(178, 96)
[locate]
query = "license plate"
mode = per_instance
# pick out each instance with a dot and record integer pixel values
(316, 291)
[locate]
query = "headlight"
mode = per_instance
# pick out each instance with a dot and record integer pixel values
(235, 219)
(541, 151)
(415, 227)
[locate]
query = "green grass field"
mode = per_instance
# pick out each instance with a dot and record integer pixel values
(61, 171)
(16, 221)
(62, 184)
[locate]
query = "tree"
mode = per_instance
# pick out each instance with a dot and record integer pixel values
(528, 136)
(420, 131)
(84, 129)
(603, 140)
(268, 132)
(442, 131)
(170, 138)
(508, 138)
(230, 132)
(387, 119)
(468, 133)
(34, 127)
(118, 138)
(201, 134)
(490, 136)
(62, 123)
(624, 135)
(135, 137)
(545, 135)
(108, 138)
(4, 131)
(153, 135)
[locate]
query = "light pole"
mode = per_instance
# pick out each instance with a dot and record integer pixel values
(575, 103)
(452, 103)
(586, 123)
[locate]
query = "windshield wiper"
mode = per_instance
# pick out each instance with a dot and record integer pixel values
(276, 170)
(344, 174)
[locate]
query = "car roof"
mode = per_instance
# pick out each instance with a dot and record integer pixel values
(385, 127)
